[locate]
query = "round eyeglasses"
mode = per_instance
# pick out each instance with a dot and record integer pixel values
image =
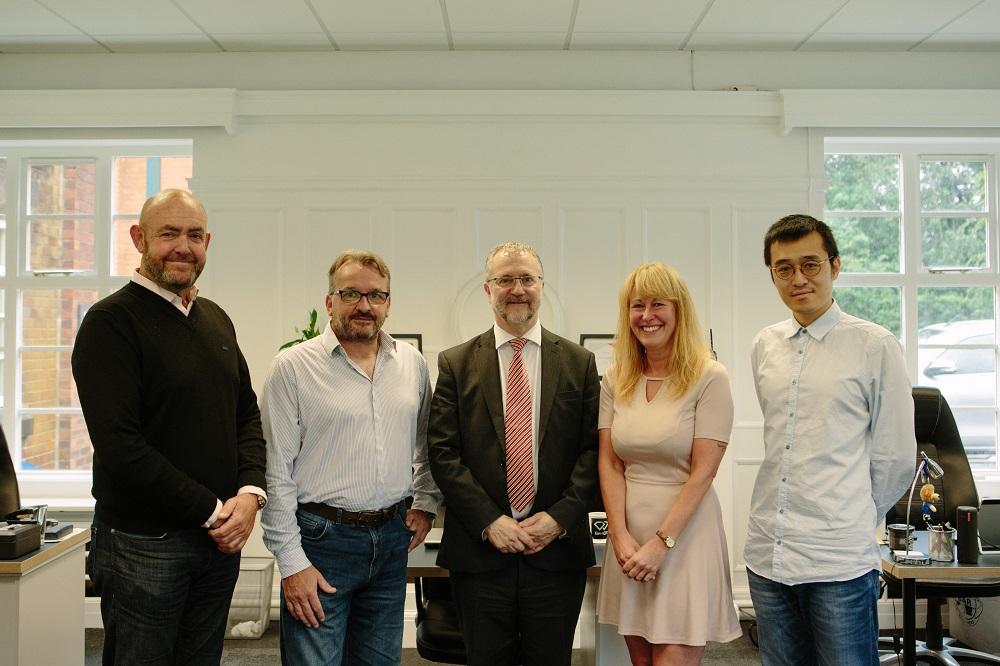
(352, 296)
(507, 281)
(809, 268)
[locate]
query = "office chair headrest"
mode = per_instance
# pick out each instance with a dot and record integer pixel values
(927, 404)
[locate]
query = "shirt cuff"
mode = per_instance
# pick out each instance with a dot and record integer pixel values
(215, 514)
(254, 490)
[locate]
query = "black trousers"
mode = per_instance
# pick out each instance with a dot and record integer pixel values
(519, 615)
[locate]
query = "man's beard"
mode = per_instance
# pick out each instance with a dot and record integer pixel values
(344, 330)
(172, 280)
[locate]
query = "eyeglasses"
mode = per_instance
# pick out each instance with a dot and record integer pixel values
(506, 281)
(352, 296)
(808, 268)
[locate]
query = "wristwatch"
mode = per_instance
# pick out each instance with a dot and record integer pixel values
(260, 501)
(667, 540)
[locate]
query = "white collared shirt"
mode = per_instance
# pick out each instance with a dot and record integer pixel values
(336, 436)
(839, 447)
(532, 356)
(178, 303)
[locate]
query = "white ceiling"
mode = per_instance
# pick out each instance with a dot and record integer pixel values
(134, 26)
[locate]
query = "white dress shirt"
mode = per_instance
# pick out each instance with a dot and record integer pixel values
(839, 447)
(178, 303)
(337, 437)
(531, 354)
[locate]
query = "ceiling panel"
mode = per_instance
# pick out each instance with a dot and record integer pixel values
(29, 18)
(767, 16)
(381, 16)
(638, 16)
(983, 18)
(510, 16)
(654, 41)
(391, 41)
(125, 17)
(256, 17)
(895, 16)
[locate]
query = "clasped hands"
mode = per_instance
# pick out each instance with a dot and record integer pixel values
(527, 536)
(234, 523)
(640, 563)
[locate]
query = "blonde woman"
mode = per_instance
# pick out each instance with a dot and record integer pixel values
(665, 420)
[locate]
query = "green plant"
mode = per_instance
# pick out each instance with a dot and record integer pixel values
(305, 333)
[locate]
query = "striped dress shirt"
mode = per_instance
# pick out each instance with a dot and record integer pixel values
(337, 437)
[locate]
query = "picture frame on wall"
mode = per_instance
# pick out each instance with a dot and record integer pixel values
(415, 339)
(600, 344)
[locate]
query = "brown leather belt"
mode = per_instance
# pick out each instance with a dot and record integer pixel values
(375, 518)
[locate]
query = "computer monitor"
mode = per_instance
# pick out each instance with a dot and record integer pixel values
(989, 524)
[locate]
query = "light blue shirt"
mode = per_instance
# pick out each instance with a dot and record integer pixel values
(337, 437)
(839, 447)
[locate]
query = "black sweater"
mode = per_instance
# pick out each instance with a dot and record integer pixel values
(171, 413)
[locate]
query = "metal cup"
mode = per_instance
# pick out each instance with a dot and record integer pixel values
(900, 536)
(941, 543)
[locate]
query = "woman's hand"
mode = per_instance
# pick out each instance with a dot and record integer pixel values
(645, 563)
(624, 546)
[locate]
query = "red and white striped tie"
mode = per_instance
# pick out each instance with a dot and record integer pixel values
(517, 428)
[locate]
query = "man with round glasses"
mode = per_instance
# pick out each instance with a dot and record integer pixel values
(839, 451)
(513, 446)
(345, 419)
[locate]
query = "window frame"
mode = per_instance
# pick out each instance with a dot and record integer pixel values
(913, 275)
(63, 488)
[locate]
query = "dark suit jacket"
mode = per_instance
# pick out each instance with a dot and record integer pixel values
(466, 446)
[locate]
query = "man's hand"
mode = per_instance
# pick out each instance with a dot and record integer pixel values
(301, 596)
(419, 523)
(543, 528)
(234, 523)
(645, 562)
(509, 537)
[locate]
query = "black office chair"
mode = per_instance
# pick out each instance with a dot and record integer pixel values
(938, 436)
(10, 498)
(438, 636)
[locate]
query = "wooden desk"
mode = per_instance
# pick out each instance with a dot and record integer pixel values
(987, 567)
(42, 603)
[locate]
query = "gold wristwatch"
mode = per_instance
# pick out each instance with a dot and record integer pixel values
(667, 540)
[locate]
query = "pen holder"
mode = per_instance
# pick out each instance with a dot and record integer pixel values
(900, 536)
(941, 543)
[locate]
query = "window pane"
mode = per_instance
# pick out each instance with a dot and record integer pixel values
(51, 317)
(955, 310)
(56, 441)
(3, 182)
(867, 244)
(953, 242)
(60, 245)
(175, 172)
(130, 184)
(978, 428)
(876, 304)
(862, 182)
(47, 380)
(125, 258)
(952, 185)
(61, 188)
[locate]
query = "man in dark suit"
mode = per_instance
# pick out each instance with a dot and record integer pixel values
(513, 447)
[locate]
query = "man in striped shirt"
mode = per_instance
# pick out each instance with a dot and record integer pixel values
(345, 419)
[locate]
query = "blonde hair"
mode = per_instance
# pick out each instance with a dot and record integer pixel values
(689, 353)
(363, 257)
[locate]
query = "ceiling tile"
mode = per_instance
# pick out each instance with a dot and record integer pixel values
(895, 16)
(638, 16)
(749, 41)
(767, 16)
(509, 40)
(259, 17)
(391, 41)
(381, 16)
(29, 18)
(983, 18)
(627, 41)
(125, 17)
(510, 16)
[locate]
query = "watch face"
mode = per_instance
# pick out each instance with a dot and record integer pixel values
(669, 541)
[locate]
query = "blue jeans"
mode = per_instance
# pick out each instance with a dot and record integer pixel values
(364, 617)
(164, 598)
(829, 623)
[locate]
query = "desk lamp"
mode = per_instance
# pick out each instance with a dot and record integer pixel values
(927, 469)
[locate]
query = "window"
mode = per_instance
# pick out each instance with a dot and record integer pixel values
(916, 224)
(68, 245)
